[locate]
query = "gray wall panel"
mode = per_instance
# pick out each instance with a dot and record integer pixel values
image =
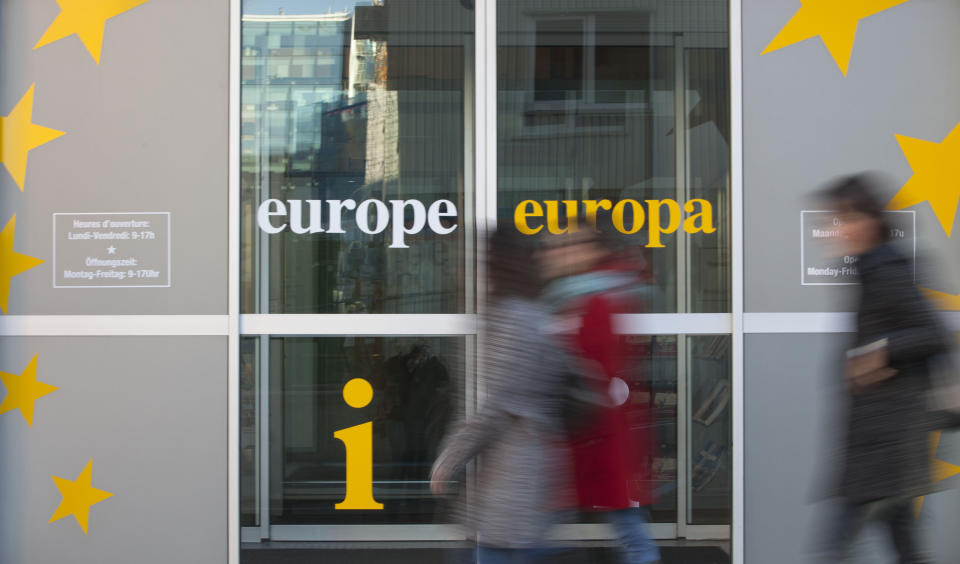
(785, 392)
(146, 130)
(152, 414)
(805, 123)
(792, 428)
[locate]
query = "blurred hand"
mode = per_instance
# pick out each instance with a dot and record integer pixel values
(868, 369)
(438, 482)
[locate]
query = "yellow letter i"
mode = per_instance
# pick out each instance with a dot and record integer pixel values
(358, 441)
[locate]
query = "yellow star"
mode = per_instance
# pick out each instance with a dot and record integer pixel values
(936, 176)
(78, 496)
(86, 18)
(12, 263)
(23, 391)
(835, 21)
(947, 302)
(941, 470)
(18, 136)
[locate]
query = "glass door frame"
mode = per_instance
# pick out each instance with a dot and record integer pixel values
(481, 166)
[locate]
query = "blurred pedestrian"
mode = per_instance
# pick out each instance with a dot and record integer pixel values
(885, 456)
(517, 431)
(611, 450)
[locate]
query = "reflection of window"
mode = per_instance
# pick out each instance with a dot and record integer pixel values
(558, 60)
(588, 71)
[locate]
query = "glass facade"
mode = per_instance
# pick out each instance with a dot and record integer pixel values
(415, 397)
(709, 430)
(610, 101)
(350, 106)
(359, 160)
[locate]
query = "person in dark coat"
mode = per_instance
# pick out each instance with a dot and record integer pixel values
(885, 457)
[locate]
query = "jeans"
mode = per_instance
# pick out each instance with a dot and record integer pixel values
(895, 514)
(633, 532)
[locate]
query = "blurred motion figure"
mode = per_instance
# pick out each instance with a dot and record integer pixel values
(884, 460)
(517, 431)
(611, 450)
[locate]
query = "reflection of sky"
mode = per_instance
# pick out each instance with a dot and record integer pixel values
(273, 7)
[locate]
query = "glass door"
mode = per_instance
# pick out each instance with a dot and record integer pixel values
(357, 262)
(380, 141)
(615, 114)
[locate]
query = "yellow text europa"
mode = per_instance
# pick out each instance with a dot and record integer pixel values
(659, 217)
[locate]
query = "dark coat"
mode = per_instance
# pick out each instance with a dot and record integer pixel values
(887, 444)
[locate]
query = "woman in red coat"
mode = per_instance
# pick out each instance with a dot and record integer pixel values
(611, 452)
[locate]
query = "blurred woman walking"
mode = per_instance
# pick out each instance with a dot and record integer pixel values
(885, 459)
(612, 447)
(517, 431)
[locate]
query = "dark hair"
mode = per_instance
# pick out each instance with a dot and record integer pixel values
(512, 264)
(859, 193)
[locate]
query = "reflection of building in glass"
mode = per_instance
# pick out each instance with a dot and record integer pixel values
(305, 83)
(357, 105)
(290, 67)
(289, 64)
